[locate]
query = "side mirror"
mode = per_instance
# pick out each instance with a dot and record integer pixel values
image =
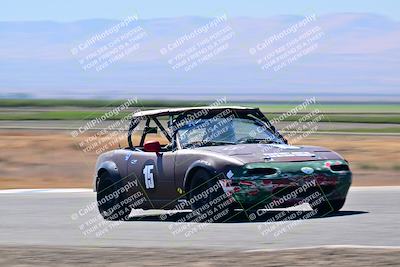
(152, 146)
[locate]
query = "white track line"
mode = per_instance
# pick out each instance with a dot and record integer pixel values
(48, 190)
(367, 188)
(324, 246)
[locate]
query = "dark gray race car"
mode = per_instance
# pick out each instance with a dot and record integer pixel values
(215, 158)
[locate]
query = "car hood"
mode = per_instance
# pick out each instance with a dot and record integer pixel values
(248, 153)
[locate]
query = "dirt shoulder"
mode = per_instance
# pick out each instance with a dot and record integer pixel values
(78, 256)
(54, 159)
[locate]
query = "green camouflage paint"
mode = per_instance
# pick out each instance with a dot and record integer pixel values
(253, 189)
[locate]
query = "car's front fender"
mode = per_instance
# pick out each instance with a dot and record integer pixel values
(109, 167)
(198, 164)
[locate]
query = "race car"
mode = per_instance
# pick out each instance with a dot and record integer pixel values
(211, 159)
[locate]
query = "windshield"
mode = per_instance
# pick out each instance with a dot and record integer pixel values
(223, 131)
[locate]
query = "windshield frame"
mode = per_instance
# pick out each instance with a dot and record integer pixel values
(256, 119)
(176, 117)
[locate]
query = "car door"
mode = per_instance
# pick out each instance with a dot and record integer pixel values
(156, 176)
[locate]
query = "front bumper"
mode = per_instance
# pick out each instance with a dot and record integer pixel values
(290, 185)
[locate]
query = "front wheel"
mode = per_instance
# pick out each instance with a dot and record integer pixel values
(329, 206)
(109, 201)
(207, 198)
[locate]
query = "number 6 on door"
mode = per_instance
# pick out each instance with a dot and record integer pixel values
(148, 176)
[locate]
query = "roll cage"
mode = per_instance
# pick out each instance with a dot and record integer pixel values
(180, 116)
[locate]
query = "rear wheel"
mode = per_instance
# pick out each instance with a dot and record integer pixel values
(329, 206)
(109, 202)
(208, 199)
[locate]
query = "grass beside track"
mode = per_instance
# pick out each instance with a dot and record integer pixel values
(89, 115)
(272, 106)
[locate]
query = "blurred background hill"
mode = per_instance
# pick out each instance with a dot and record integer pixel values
(358, 58)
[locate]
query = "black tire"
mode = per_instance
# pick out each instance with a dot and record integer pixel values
(110, 208)
(329, 206)
(201, 182)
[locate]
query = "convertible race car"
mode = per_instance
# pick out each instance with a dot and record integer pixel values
(215, 158)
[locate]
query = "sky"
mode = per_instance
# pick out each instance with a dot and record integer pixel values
(71, 10)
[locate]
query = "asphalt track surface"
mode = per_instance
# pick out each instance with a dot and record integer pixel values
(370, 217)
